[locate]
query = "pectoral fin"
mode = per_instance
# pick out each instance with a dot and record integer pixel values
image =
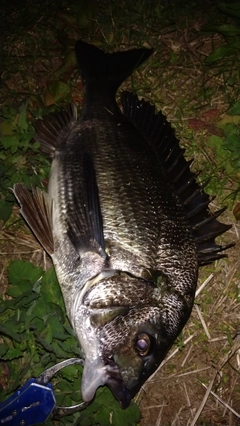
(36, 209)
(85, 223)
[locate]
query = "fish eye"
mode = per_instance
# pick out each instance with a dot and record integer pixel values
(143, 344)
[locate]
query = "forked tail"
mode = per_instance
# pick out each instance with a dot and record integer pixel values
(111, 69)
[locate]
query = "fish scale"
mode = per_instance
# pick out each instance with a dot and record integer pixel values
(127, 187)
(136, 188)
(125, 222)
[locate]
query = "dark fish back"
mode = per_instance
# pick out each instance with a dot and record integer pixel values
(142, 215)
(161, 137)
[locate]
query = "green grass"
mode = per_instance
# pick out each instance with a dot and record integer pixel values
(36, 334)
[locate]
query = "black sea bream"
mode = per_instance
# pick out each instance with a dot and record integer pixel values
(125, 223)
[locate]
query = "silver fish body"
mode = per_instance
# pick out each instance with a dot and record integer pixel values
(129, 226)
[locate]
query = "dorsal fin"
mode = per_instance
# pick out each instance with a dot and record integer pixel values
(54, 128)
(160, 135)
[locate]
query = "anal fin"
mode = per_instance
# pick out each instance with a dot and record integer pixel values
(36, 209)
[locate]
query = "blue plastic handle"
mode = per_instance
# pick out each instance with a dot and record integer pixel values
(30, 405)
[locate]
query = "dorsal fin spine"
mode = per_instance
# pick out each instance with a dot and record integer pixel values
(159, 134)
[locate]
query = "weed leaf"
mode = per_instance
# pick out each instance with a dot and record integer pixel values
(21, 271)
(5, 210)
(235, 110)
(223, 52)
(6, 329)
(231, 9)
(227, 30)
(12, 353)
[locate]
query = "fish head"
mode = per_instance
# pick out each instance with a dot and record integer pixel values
(129, 326)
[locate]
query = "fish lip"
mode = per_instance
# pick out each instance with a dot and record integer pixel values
(116, 384)
(98, 373)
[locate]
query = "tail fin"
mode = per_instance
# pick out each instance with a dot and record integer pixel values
(111, 68)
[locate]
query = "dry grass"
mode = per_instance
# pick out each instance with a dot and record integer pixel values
(17, 242)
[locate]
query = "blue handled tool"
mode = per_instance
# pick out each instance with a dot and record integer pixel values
(31, 404)
(35, 401)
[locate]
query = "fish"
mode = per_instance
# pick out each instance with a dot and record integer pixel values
(125, 221)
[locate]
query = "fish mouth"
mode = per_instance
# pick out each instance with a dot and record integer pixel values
(96, 373)
(116, 384)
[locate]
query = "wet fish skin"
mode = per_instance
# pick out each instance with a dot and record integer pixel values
(125, 226)
(149, 314)
(134, 259)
